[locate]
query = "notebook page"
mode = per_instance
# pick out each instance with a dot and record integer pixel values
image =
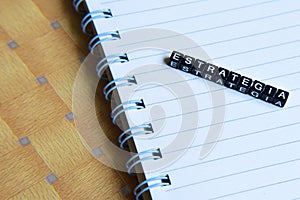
(257, 155)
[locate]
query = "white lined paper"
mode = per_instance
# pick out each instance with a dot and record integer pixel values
(259, 39)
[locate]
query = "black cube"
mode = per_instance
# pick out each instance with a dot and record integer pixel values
(233, 80)
(256, 89)
(198, 67)
(210, 71)
(221, 76)
(175, 59)
(244, 85)
(187, 63)
(268, 94)
(281, 98)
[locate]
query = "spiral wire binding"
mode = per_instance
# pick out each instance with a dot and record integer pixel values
(105, 62)
(132, 105)
(164, 181)
(103, 37)
(120, 82)
(91, 16)
(153, 154)
(143, 129)
(76, 5)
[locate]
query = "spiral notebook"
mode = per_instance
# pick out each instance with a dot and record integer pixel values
(195, 139)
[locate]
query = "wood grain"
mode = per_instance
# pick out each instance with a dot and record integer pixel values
(71, 27)
(15, 77)
(33, 110)
(20, 169)
(49, 48)
(37, 112)
(54, 9)
(62, 81)
(4, 38)
(96, 186)
(60, 147)
(7, 138)
(41, 190)
(22, 20)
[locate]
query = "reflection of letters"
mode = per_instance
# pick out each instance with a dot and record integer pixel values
(255, 94)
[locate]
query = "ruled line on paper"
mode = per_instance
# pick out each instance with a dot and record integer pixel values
(235, 174)
(229, 55)
(227, 121)
(197, 16)
(197, 78)
(248, 36)
(211, 28)
(257, 49)
(238, 154)
(242, 68)
(160, 8)
(269, 62)
(206, 92)
(223, 41)
(230, 138)
(202, 93)
(113, 1)
(243, 51)
(257, 188)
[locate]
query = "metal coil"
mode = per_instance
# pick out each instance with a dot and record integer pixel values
(109, 60)
(89, 17)
(102, 37)
(129, 105)
(154, 182)
(77, 4)
(143, 129)
(117, 83)
(152, 154)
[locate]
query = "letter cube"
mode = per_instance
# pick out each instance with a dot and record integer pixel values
(175, 59)
(256, 89)
(221, 76)
(209, 72)
(268, 94)
(244, 85)
(187, 64)
(281, 98)
(198, 67)
(232, 80)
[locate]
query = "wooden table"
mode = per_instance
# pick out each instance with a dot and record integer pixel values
(41, 154)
